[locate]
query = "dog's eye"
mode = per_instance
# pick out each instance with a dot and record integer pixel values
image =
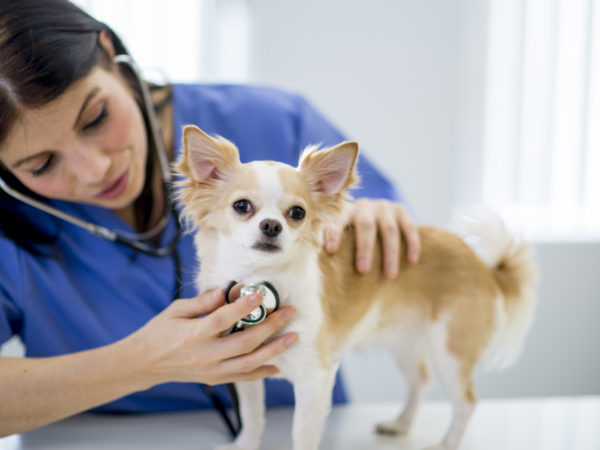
(243, 206)
(297, 213)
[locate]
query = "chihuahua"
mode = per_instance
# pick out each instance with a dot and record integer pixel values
(470, 298)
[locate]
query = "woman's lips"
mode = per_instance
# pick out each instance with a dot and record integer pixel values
(116, 188)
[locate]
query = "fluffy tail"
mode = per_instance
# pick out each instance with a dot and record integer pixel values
(514, 268)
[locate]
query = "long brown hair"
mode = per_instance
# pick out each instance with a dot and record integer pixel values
(46, 46)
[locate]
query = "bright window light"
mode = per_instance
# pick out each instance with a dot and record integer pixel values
(180, 40)
(542, 144)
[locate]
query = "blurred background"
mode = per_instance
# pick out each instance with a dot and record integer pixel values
(456, 101)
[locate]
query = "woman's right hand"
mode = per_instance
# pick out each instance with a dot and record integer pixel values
(178, 345)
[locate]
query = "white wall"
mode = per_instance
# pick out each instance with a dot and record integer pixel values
(393, 75)
(406, 78)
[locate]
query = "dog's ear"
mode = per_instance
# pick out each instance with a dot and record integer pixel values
(332, 170)
(206, 158)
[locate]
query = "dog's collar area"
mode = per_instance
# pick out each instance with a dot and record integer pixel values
(270, 302)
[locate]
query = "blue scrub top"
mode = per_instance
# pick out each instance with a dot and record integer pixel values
(89, 292)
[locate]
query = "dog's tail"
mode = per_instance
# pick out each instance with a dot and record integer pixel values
(515, 271)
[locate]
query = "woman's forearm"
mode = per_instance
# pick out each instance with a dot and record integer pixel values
(38, 391)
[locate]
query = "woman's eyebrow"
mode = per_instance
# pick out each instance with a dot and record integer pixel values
(87, 99)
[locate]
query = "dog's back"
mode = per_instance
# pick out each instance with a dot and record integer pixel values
(459, 305)
(449, 283)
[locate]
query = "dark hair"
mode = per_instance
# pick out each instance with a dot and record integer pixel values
(46, 46)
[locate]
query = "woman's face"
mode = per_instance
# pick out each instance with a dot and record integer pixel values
(88, 146)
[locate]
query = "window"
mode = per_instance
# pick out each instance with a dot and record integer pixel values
(542, 127)
(181, 41)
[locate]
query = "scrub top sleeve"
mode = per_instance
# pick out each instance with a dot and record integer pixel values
(313, 128)
(11, 318)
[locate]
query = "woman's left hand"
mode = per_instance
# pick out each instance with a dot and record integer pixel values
(368, 217)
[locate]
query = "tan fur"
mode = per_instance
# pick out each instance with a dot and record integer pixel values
(448, 280)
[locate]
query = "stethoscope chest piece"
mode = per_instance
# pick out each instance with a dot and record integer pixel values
(270, 302)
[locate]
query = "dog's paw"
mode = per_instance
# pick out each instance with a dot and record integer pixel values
(393, 428)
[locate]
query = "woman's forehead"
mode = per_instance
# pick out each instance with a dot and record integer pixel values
(44, 127)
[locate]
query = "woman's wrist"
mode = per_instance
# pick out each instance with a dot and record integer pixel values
(132, 364)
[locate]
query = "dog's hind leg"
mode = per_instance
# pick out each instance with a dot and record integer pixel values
(251, 395)
(312, 392)
(456, 378)
(417, 377)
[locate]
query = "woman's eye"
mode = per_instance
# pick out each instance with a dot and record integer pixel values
(297, 213)
(243, 206)
(44, 167)
(97, 120)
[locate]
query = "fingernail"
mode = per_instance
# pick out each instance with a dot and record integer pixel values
(414, 256)
(363, 264)
(290, 341)
(392, 269)
(331, 244)
(254, 299)
(289, 313)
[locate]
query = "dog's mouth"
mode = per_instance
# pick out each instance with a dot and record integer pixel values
(268, 247)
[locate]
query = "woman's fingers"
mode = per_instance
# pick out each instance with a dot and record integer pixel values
(333, 234)
(410, 232)
(259, 372)
(229, 314)
(203, 304)
(252, 337)
(332, 238)
(250, 361)
(370, 217)
(390, 239)
(365, 227)
(243, 355)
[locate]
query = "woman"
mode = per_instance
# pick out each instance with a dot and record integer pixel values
(118, 326)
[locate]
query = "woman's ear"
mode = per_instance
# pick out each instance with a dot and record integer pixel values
(106, 43)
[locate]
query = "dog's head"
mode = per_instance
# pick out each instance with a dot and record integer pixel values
(263, 206)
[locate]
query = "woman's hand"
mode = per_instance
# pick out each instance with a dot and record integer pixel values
(368, 217)
(178, 345)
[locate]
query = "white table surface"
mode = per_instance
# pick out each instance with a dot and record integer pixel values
(522, 424)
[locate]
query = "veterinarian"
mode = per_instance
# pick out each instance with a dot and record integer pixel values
(96, 276)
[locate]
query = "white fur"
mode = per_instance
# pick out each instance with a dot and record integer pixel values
(483, 231)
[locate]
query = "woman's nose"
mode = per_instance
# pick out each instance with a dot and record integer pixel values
(90, 164)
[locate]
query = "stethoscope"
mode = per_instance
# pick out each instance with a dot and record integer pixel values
(129, 239)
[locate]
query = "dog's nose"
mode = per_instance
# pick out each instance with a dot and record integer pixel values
(270, 227)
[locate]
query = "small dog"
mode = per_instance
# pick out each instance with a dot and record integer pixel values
(459, 305)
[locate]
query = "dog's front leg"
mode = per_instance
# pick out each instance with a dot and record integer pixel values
(312, 392)
(251, 395)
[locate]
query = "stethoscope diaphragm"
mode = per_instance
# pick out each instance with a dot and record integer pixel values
(270, 302)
